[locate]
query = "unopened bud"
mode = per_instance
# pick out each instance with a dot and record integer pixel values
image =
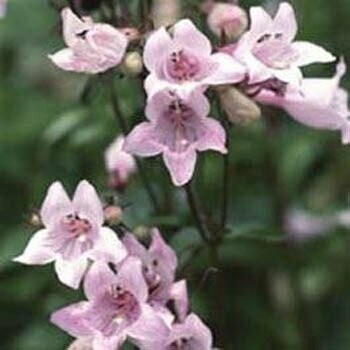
(81, 344)
(165, 12)
(113, 215)
(240, 109)
(131, 33)
(132, 64)
(227, 19)
(35, 220)
(142, 232)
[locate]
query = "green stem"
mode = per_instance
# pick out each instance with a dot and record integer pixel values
(196, 213)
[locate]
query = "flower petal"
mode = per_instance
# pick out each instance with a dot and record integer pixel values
(150, 331)
(186, 34)
(228, 70)
(56, 205)
(179, 295)
(131, 278)
(108, 247)
(311, 53)
(70, 272)
(141, 141)
(73, 25)
(180, 165)
(133, 246)
(157, 45)
(213, 136)
(285, 22)
(87, 202)
(260, 21)
(37, 251)
(71, 320)
(97, 278)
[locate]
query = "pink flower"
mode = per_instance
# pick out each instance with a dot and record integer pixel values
(116, 308)
(318, 103)
(158, 265)
(192, 334)
(119, 164)
(91, 47)
(73, 234)
(268, 50)
(186, 61)
(177, 127)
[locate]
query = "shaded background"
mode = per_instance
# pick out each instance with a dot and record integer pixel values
(265, 295)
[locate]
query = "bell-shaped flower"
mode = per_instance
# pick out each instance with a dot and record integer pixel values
(185, 60)
(73, 234)
(91, 47)
(158, 265)
(120, 165)
(115, 309)
(318, 103)
(269, 51)
(177, 127)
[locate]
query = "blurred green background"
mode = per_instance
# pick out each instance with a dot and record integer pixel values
(264, 295)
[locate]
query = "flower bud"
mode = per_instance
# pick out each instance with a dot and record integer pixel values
(113, 215)
(165, 12)
(81, 344)
(34, 220)
(142, 232)
(132, 64)
(227, 19)
(240, 109)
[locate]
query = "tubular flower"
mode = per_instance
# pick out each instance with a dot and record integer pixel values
(91, 47)
(73, 234)
(185, 60)
(177, 127)
(318, 103)
(158, 265)
(115, 308)
(269, 51)
(120, 165)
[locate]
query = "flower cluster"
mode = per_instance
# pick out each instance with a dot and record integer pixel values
(128, 288)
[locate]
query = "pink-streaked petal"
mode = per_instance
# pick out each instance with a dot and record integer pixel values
(213, 137)
(56, 205)
(311, 53)
(71, 320)
(180, 165)
(292, 76)
(186, 34)
(162, 250)
(97, 279)
(228, 70)
(65, 59)
(179, 295)
(157, 46)
(158, 102)
(285, 22)
(133, 246)
(37, 251)
(87, 202)
(70, 272)
(150, 329)
(108, 247)
(141, 141)
(130, 277)
(73, 25)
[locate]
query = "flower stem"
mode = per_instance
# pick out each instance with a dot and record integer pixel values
(124, 128)
(196, 213)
